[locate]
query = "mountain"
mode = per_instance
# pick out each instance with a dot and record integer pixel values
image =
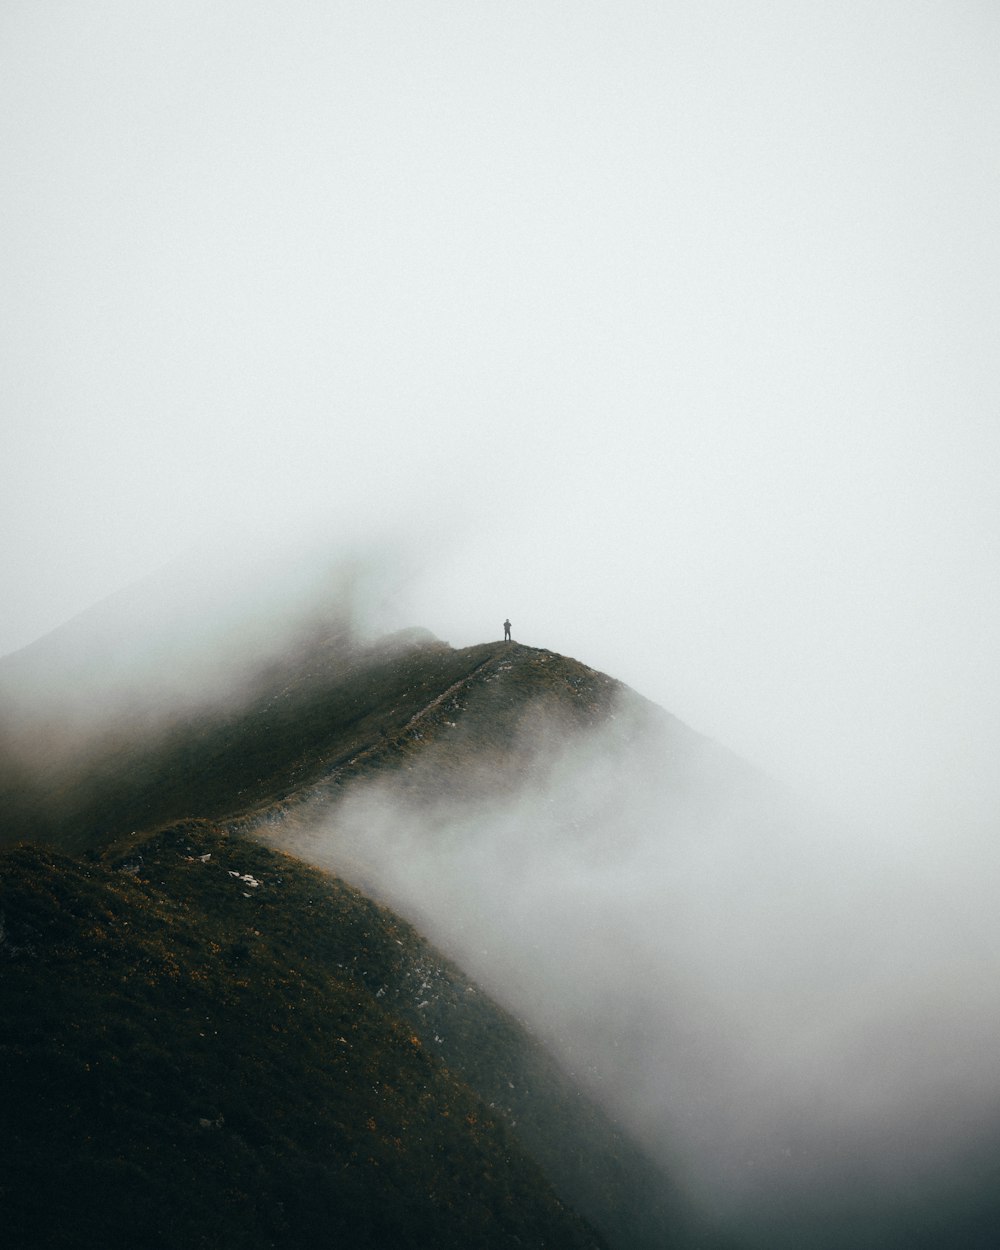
(641, 994)
(176, 996)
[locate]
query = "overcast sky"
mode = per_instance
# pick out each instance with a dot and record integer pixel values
(667, 329)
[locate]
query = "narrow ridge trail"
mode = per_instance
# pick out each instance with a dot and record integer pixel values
(383, 749)
(485, 734)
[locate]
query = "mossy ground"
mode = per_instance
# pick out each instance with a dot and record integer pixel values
(190, 1059)
(284, 727)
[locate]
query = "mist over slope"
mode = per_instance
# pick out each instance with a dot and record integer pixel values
(200, 692)
(798, 1022)
(796, 1017)
(207, 1044)
(96, 781)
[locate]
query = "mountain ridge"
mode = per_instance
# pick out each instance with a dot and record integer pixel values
(162, 812)
(631, 896)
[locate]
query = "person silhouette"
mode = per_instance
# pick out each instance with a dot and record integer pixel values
(506, 631)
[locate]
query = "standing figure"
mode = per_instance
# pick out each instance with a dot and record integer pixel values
(506, 631)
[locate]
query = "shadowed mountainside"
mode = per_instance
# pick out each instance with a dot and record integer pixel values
(73, 776)
(109, 964)
(644, 900)
(207, 1044)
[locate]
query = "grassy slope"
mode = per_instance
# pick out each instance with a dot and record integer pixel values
(310, 726)
(170, 1050)
(503, 727)
(190, 1060)
(289, 724)
(500, 728)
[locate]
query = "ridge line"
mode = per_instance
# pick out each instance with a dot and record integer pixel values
(278, 811)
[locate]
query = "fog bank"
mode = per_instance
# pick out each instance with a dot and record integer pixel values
(795, 1015)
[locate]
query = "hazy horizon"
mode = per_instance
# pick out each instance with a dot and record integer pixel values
(666, 331)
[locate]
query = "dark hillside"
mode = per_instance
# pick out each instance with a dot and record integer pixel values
(501, 728)
(204, 1043)
(140, 764)
(303, 728)
(563, 838)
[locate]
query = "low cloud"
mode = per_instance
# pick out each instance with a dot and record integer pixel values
(786, 1009)
(198, 642)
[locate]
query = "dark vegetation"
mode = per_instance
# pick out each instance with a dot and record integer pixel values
(499, 729)
(282, 727)
(190, 1058)
(204, 1043)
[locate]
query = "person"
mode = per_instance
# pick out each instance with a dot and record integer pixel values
(506, 631)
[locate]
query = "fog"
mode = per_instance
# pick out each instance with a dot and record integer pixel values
(199, 629)
(792, 1001)
(668, 331)
(797, 1017)
(201, 642)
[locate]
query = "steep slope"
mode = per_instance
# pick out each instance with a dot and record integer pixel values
(206, 1044)
(408, 817)
(680, 933)
(73, 777)
(512, 717)
(677, 932)
(325, 709)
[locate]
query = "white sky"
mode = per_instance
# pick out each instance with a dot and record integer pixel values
(669, 330)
